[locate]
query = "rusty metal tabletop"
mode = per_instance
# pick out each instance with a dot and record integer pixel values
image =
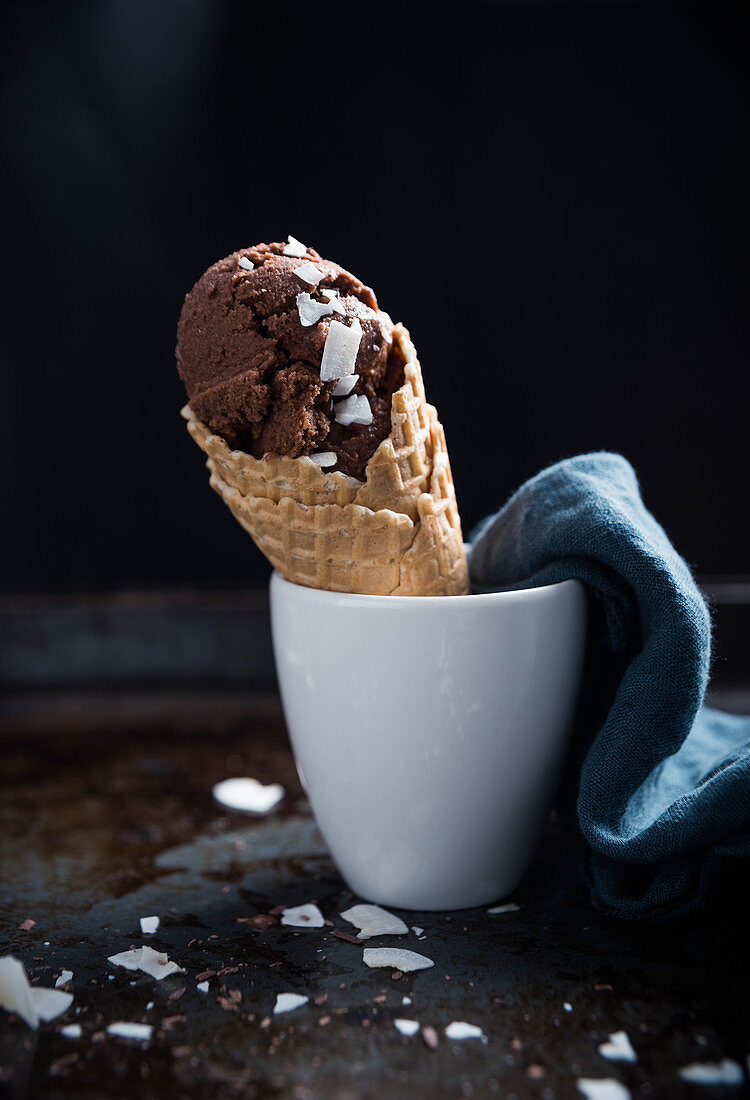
(100, 827)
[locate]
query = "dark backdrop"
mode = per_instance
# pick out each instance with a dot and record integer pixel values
(553, 199)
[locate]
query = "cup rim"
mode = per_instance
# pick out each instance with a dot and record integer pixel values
(475, 598)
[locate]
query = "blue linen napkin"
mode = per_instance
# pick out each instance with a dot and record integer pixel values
(657, 788)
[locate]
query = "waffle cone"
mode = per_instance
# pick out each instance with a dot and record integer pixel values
(395, 533)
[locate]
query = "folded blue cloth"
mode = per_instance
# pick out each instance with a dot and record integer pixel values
(658, 786)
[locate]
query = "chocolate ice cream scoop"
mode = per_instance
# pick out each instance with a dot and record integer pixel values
(285, 353)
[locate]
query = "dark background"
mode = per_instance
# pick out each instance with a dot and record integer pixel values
(552, 198)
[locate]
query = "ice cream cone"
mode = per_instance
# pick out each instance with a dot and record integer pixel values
(395, 533)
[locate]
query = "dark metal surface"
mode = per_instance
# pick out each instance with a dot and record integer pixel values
(99, 828)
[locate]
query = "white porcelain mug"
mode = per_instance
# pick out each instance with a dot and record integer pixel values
(429, 731)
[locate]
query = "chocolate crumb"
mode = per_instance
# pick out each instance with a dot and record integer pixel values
(26, 925)
(263, 921)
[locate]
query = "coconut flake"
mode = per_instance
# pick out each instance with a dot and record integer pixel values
(567, 1006)
(303, 916)
(345, 385)
(726, 1072)
(65, 977)
(311, 311)
(406, 1000)
(248, 795)
(602, 1088)
(459, 1029)
(324, 458)
(618, 1048)
(149, 925)
(154, 963)
(245, 264)
(125, 1030)
(294, 247)
(340, 350)
(417, 930)
(509, 907)
(71, 1031)
(49, 1003)
(287, 1002)
(374, 921)
(407, 1027)
(309, 273)
(331, 295)
(202, 986)
(354, 410)
(15, 995)
(396, 958)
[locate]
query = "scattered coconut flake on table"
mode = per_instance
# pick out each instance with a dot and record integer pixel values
(287, 1002)
(309, 273)
(71, 1031)
(602, 1088)
(154, 963)
(406, 1000)
(49, 1003)
(567, 1006)
(509, 907)
(248, 795)
(417, 930)
(202, 986)
(15, 993)
(407, 1027)
(311, 311)
(397, 958)
(125, 1030)
(345, 385)
(303, 916)
(374, 921)
(65, 977)
(340, 350)
(459, 1029)
(294, 247)
(618, 1048)
(725, 1072)
(354, 410)
(324, 458)
(245, 264)
(149, 925)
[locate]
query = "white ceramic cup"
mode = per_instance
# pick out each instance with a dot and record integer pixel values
(429, 732)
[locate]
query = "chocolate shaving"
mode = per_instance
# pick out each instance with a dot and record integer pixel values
(346, 936)
(26, 925)
(430, 1037)
(177, 994)
(171, 1021)
(205, 975)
